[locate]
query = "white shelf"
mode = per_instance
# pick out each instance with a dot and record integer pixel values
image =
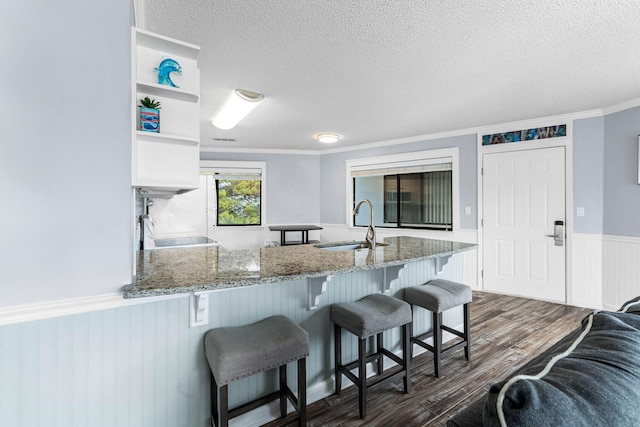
(155, 89)
(167, 161)
(167, 137)
(166, 44)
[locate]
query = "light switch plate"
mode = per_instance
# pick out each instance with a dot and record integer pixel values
(579, 211)
(198, 309)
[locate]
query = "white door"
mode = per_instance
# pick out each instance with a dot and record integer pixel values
(523, 208)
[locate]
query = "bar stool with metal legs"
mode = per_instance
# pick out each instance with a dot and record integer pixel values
(371, 316)
(237, 352)
(437, 296)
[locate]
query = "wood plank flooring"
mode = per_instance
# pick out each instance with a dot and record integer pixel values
(506, 332)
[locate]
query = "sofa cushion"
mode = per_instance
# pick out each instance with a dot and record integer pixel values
(596, 381)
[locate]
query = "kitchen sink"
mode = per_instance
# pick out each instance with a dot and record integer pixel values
(180, 242)
(347, 246)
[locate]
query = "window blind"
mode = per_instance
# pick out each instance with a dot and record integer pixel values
(230, 174)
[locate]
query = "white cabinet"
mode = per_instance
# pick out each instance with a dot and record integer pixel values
(168, 160)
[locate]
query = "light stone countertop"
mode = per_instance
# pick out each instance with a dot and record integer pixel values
(185, 270)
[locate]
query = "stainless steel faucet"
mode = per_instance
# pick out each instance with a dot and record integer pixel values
(371, 231)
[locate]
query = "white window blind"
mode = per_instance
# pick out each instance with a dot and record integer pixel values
(249, 174)
(398, 170)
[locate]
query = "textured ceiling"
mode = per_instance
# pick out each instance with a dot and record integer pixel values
(381, 70)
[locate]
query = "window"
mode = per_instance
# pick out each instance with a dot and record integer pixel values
(238, 201)
(234, 192)
(413, 190)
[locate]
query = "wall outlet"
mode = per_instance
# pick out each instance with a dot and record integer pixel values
(467, 210)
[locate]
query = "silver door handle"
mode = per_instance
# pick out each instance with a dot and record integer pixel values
(558, 229)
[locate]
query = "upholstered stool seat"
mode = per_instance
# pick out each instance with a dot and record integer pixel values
(437, 296)
(371, 316)
(237, 352)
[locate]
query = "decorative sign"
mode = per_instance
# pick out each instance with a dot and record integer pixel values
(525, 135)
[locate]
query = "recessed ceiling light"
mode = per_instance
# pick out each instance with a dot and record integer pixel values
(327, 138)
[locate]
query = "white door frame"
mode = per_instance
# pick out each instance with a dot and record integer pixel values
(567, 143)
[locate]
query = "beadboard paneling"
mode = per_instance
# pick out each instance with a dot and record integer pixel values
(141, 365)
(585, 289)
(621, 270)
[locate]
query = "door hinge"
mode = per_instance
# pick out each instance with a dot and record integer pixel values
(482, 274)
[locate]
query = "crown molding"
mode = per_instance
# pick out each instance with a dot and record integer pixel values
(204, 149)
(137, 11)
(479, 130)
(632, 103)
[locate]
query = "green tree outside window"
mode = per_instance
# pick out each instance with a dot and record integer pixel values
(238, 202)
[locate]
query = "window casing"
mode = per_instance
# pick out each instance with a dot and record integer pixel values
(413, 190)
(235, 193)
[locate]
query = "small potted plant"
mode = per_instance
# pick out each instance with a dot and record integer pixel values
(149, 115)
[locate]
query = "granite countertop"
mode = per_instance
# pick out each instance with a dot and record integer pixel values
(185, 270)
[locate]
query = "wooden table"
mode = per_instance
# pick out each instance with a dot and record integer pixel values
(284, 229)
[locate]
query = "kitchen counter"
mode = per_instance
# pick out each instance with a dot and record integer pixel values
(186, 270)
(300, 282)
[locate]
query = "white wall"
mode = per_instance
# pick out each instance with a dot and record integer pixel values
(65, 167)
(182, 215)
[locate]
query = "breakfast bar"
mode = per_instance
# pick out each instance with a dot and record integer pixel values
(186, 270)
(300, 282)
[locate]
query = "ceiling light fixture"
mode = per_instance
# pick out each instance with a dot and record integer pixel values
(327, 138)
(235, 108)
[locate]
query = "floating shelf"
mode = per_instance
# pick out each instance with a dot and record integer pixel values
(167, 137)
(166, 44)
(166, 91)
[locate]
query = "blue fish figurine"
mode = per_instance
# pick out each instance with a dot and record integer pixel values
(166, 67)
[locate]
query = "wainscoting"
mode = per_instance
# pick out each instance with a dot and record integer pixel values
(620, 270)
(605, 270)
(141, 365)
(585, 287)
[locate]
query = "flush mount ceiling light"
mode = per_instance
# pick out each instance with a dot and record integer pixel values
(237, 105)
(327, 138)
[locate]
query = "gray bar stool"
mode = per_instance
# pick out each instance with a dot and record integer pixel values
(238, 352)
(437, 296)
(364, 318)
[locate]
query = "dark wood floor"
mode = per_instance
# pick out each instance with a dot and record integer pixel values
(506, 332)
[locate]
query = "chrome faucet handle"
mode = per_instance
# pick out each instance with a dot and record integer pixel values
(371, 237)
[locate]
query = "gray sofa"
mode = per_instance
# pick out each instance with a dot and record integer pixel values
(589, 378)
